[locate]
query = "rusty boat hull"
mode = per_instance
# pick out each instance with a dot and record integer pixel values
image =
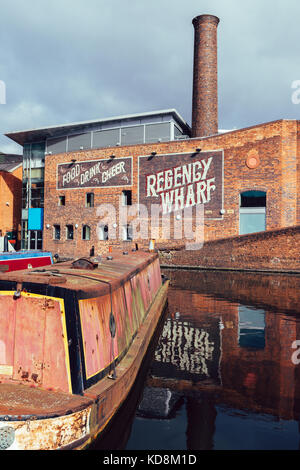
(72, 340)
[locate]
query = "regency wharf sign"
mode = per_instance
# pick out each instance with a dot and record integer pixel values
(179, 181)
(111, 172)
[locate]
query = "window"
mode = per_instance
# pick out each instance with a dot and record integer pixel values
(177, 132)
(56, 232)
(35, 239)
(252, 212)
(158, 132)
(253, 199)
(61, 200)
(38, 152)
(89, 200)
(79, 141)
(24, 235)
(126, 198)
(86, 232)
(132, 135)
(57, 144)
(37, 195)
(24, 195)
(127, 233)
(251, 327)
(36, 173)
(69, 232)
(106, 138)
(103, 232)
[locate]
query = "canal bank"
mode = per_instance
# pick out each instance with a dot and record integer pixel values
(269, 251)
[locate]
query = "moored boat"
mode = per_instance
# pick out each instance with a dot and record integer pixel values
(19, 260)
(72, 339)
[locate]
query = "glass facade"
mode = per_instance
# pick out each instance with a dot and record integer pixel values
(158, 132)
(32, 192)
(79, 142)
(106, 138)
(115, 136)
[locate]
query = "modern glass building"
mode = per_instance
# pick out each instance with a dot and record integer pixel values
(146, 128)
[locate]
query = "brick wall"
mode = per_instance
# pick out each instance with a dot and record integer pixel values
(274, 250)
(11, 199)
(274, 144)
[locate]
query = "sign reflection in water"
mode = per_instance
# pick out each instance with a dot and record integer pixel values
(188, 351)
(222, 375)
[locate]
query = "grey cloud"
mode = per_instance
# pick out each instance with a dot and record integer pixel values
(65, 61)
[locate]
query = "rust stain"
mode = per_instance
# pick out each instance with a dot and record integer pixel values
(65, 419)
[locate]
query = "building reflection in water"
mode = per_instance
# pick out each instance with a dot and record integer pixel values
(225, 352)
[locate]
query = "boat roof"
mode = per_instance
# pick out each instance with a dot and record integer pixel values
(88, 283)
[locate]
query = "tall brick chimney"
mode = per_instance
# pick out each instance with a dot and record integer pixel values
(205, 77)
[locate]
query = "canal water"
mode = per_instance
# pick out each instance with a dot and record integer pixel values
(224, 370)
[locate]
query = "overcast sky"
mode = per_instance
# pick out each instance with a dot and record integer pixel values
(74, 60)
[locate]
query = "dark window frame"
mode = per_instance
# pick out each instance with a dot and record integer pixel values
(90, 199)
(104, 232)
(69, 231)
(61, 200)
(127, 197)
(84, 234)
(55, 227)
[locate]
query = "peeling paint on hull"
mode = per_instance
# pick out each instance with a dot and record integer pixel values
(51, 433)
(42, 407)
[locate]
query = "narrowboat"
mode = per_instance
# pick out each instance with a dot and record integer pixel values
(19, 260)
(72, 340)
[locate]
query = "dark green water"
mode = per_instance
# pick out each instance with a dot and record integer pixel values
(224, 374)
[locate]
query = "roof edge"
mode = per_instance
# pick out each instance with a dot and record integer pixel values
(172, 111)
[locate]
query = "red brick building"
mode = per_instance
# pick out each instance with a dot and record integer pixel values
(220, 184)
(10, 196)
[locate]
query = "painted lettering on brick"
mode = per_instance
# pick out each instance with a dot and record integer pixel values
(179, 181)
(97, 173)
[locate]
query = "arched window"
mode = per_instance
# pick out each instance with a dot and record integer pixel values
(103, 232)
(253, 199)
(86, 232)
(127, 232)
(252, 211)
